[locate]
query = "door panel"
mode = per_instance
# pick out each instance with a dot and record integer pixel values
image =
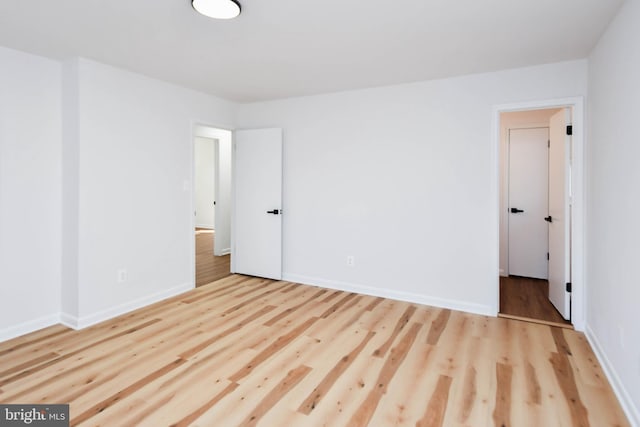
(258, 190)
(559, 210)
(205, 161)
(528, 194)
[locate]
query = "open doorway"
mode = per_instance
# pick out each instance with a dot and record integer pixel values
(535, 215)
(212, 203)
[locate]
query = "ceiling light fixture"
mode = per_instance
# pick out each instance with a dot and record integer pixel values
(219, 9)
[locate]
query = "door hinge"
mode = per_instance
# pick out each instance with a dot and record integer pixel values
(568, 287)
(547, 256)
(569, 129)
(548, 143)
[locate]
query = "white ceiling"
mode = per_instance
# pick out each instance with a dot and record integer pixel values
(285, 48)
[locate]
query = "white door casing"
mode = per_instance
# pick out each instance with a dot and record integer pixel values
(528, 199)
(222, 241)
(577, 179)
(257, 226)
(559, 212)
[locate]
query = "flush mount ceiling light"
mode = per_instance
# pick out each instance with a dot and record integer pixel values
(219, 9)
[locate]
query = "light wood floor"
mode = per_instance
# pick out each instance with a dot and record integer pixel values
(247, 351)
(209, 268)
(528, 298)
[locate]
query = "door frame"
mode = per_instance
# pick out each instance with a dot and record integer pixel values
(578, 203)
(191, 186)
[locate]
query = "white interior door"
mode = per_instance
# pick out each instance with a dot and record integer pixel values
(257, 215)
(559, 212)
(528, 202)
(205, 161)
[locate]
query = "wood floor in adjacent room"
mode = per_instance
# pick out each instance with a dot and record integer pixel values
(247, 351)
(528, 298)
(209, 268)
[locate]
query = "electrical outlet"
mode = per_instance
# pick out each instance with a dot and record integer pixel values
(122, 275)
(351, 261)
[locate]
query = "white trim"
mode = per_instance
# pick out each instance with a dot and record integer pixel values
(68, 320)
(194, 133)
(110, 313)
(232, 241)
(391, 294)
(225, 251)
(578, 185)
(207, 226)
(628, 406)
(29, 326)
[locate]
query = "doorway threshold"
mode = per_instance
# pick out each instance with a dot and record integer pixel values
(531, 320)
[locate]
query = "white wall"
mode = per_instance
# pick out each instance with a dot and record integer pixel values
(222, 241)
(613, 229)
(30, 192)
(205, 181)
(513, 120)
(404, 178)
(70, 169)
(134, 188)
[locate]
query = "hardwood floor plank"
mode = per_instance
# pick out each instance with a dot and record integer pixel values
(502, 411)
(291, 380)
(321, 389)
(561, 342)
(586, 364)
(127, 391)
(230, 286)
(434, 414)
(331, 296)
(189, 419)
(246, 302)
(566, 379)
(437, 327)
(533, 386)
(392, 363)
(36, 339)
(469, 393)
(290, 310)
(50, 362)
(201, 346)
(280, 342)
(30, 364)
(337, 305)
(402, 322)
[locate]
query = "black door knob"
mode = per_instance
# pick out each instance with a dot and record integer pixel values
(516, 210)
(548, 219)
(275, 212)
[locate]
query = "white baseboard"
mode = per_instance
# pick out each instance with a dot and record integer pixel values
(110, 313)
(30, 326)
(391, 294)
(628, 406)
(225, 251)
(69, 321)
(207, 226)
